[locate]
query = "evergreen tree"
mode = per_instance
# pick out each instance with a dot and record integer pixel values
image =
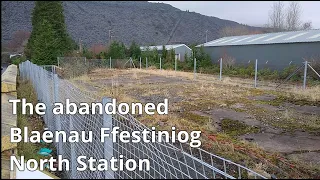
(117, 50)
(155, 55)
(164, 52)
(49, 38)
(171, 55)
(134, 50)
(203, 58)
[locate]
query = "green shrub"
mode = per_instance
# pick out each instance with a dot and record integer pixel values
(168, 65)
(288, 71)
(18, 60)
(268, 74)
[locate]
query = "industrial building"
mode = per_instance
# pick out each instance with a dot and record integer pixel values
(179, 49)
(272, 50)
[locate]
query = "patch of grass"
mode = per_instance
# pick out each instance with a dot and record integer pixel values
(313, 166)
(256, 92)
(236, 128)
(291, 121)
(291, 98)
(204, 123)
(28, 150)
(301, 101)
(299, 96)
(201, 120)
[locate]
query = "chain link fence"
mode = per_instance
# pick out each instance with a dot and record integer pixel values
(167, 160)
(70, 67)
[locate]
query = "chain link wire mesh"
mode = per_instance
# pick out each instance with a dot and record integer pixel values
(167, 160)
(71, 67)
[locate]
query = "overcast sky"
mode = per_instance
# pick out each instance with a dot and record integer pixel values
(246, 12)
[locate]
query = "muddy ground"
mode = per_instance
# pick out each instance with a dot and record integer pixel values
(274, 120)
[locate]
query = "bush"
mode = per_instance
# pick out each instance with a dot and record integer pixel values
(268, 74)
(315, 64)
(183, 66)
(18, 60)
(288, 71)
(169, 66)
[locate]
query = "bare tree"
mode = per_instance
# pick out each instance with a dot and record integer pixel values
(276, 16)
(288, 19)
(293, 16)
(16, 44)
(306, 25)
(228, 61)
(97, 48)
(233, 31)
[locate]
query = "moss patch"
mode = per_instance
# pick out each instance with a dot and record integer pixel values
(198, 119)
(291, 99)
(236, 128)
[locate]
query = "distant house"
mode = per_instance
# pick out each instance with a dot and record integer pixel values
(97, 48)
(272, 50)
(179, 49)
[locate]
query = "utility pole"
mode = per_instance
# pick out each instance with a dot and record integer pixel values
(206, 35)
(220, 69)
(80, 46)
(194, 68)
(110, 35)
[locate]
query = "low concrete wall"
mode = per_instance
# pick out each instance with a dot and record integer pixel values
(9, 80)
(8, 120)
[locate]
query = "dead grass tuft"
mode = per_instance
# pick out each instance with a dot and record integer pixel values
(311, 93)
(33, 122)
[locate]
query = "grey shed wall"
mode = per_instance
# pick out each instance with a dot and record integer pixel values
(277, 55)
(182, 50)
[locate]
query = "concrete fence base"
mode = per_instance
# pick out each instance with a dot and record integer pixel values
(8, 120)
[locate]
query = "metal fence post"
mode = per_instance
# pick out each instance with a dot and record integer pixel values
(220, 69)
(160, 63)
(72, 152)
(146, 63)
(175, 64)
(110, 63)
(305, 74)
(108, 144)
(195, 68)
(256, 74)
(140, 62)
(106, 61)
(314, 70)
(57, 117)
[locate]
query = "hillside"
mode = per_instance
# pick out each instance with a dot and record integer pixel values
(143, 22)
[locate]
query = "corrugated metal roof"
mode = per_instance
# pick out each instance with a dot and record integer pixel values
(159, 47)
(268, 38)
